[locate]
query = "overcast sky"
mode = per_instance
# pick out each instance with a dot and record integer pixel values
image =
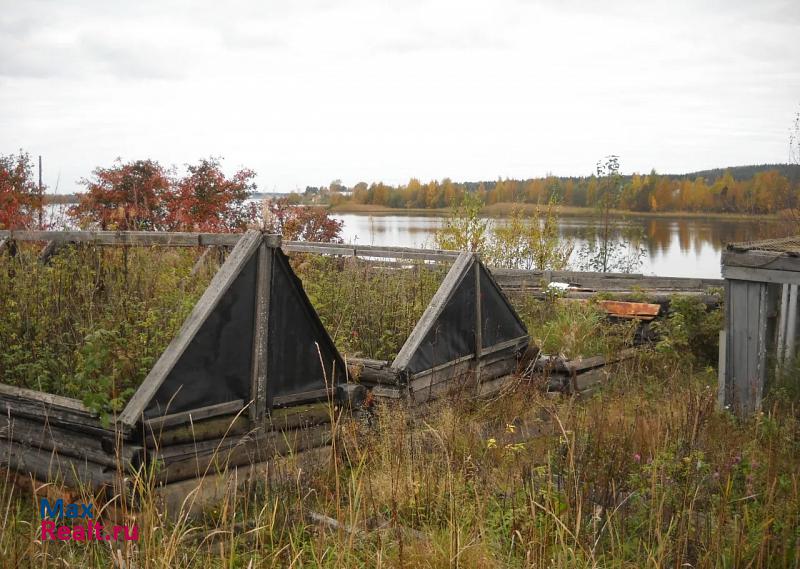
(308, 92)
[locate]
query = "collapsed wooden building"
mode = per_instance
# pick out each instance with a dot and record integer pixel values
(250, 375)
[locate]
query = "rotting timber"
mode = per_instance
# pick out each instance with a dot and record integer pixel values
(251, 375)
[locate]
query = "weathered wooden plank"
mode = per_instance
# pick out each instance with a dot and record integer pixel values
(245, 247)
(370, 251)
(433, 310)
(3, 244)
(303, 396)
(194, 415)
(203, 430)
(721, 363)
(192, 461)
(233, 427)
(53, 401)
(761, 260)
(478, 325)
(746, 346)
(258, 387)
(791, 324)
(92, 444)
(760, 275)
(49, 466)
(137, 238)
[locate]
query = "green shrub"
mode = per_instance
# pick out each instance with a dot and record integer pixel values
(92, 322)
(368, 309)
(691, 329)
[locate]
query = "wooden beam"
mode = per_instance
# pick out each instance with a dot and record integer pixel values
(476, 269)
(3, 244)
(54, 401)
(378, 251)
(258, 387)
(303, 396)
(49, 466)
(224, 278)
(433, 310)
(199, 414)
(136, 238)
(760, 275)
(92, 443)
(761, 260)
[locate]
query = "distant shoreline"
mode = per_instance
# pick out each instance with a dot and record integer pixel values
(505, 209)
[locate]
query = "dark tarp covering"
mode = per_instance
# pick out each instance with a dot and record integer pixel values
(215, 367)
(500, 322)
(452, 334)
(295, 331)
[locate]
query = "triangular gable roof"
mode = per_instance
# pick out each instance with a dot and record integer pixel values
(446, 332)
(249, 338)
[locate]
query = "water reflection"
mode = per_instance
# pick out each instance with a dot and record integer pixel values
(676, 247)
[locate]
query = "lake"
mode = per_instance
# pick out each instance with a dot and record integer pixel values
(685, 247)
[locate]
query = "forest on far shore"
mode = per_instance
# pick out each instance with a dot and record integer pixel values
(765, 189)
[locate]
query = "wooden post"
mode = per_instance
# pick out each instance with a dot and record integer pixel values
(478, 321)
(784, 312)
(721, 371)
(258, 407)
(791, 325)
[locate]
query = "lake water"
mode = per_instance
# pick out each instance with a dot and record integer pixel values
(685, 247)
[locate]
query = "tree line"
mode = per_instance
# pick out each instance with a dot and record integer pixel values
(762, 190)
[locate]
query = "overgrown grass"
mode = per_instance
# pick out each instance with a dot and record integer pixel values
(570, 328)
(91, 322)
(369, 309)
(644, 474)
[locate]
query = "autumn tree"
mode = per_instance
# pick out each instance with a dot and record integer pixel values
(20, 198)
(127, 196)
(206, 200)
(301, 223)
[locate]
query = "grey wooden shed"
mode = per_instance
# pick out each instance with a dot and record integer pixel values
(761, 319)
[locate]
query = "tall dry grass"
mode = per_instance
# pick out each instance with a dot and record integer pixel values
(646, 473)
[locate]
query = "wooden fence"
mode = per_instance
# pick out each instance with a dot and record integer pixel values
(582, 283)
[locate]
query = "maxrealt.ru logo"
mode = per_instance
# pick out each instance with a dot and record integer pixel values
(84, 527)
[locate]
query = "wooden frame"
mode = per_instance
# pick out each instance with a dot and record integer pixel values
(395, 380)
(43, 433)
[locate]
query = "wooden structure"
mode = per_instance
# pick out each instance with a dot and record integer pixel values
(250, 374)
(581, 285)
(761, 328)
(469, 335)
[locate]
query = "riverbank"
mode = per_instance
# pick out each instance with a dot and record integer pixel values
(505, 209)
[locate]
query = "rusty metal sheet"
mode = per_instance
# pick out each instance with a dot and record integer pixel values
(637, 310)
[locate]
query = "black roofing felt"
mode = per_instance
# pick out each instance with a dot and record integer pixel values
(215, 367)
(299, 345)
(452, 334)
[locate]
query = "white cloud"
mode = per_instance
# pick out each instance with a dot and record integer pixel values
(305, 93)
